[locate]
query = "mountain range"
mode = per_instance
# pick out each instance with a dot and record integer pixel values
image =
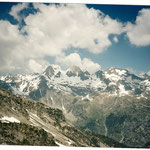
(113, 102)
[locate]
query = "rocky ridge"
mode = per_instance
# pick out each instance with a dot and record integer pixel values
(25, 122)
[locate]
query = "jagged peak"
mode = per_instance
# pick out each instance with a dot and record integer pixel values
(56, 67)
(116, 70)
(49, 71)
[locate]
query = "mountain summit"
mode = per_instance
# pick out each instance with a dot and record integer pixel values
(49, 71)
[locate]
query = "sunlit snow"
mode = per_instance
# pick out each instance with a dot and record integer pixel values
(9, 119)
(122, 90)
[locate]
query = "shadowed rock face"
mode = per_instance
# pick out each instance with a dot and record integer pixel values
(4, 85)
(76, 71)
(49, 71)
(114, 102)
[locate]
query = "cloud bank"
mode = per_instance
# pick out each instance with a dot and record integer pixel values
(55, 29)
(139, 33)
(52, 31)
(75, 59)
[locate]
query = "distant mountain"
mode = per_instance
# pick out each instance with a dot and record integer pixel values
(113, 102)
(115, 81)
(26, 122)
(75, 71)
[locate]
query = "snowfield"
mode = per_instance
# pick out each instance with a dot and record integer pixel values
(9, 119)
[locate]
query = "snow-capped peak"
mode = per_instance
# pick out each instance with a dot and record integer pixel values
(74, 78)
(49, 71)
(116, 71)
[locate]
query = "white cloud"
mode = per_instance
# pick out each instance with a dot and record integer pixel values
(70, 60)
(51, 32)
(9, 45)
(13, 54)
(75, 59)
(37, 65)
(115, 39)
(139, 33)
(90, 65)
(16, 9)
(72, 25)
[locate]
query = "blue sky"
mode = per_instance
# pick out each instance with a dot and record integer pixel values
(129, 50)
(123, 54)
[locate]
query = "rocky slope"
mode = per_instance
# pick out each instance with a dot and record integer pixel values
(113, 102)
(25, 122)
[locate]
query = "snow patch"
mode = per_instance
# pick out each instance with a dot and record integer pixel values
(9, 119)
(61, 145)
(122, 90)
(120, 72)
(52, 100)
(63, 108)
(69, 142)
(143, 96)
(49, 132)
(147, 83)
(113, 77)
(87, 97)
